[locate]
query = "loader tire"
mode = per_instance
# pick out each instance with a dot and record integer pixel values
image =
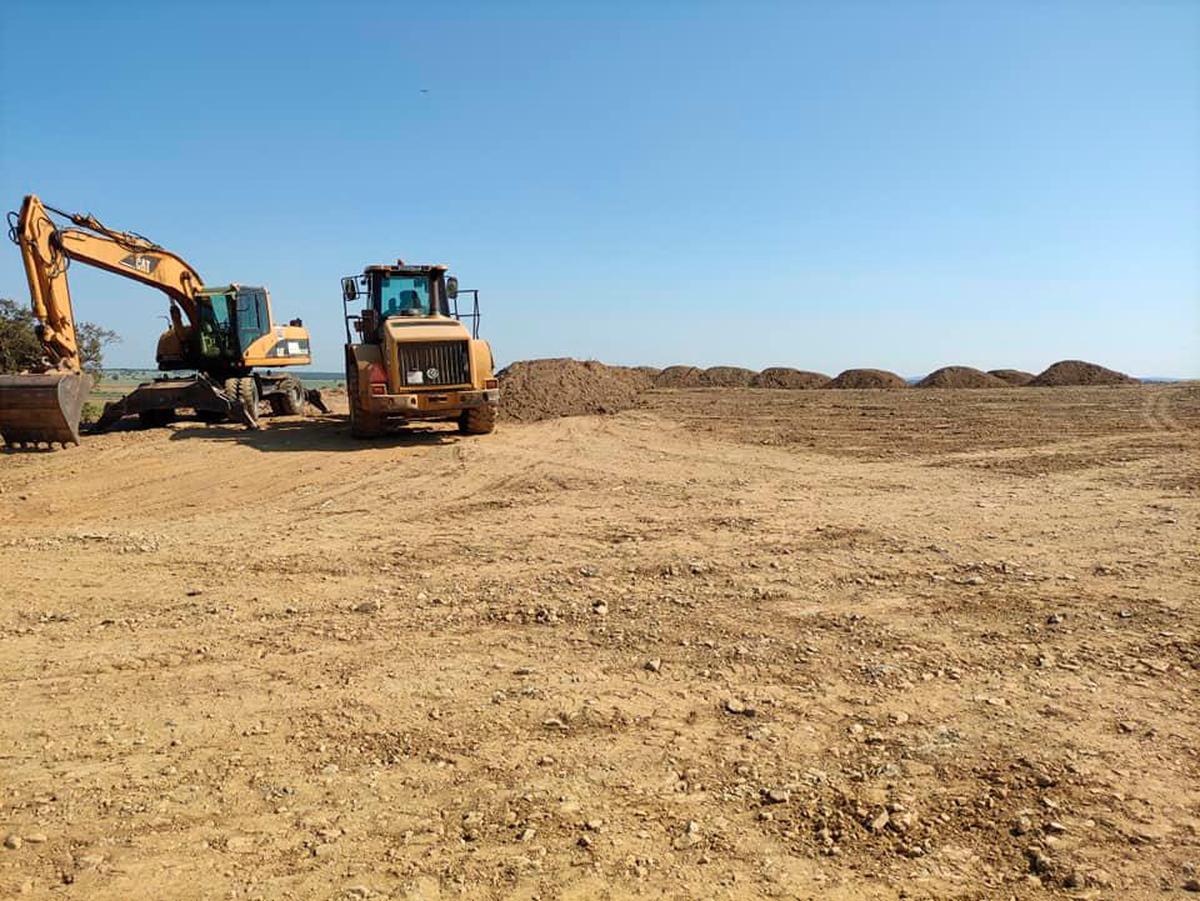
(363, 425)
(244, 389)
(477, 420)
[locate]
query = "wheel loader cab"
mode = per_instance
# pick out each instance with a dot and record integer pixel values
(406, 293)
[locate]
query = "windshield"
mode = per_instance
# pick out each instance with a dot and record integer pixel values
(403, 295)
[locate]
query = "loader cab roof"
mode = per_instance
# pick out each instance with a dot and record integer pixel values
(403, 269)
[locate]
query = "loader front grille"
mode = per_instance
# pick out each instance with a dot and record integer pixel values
(434, 364)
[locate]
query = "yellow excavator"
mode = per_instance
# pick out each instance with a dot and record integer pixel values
(222, 333)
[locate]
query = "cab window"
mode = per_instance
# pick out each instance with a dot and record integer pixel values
(403, 295)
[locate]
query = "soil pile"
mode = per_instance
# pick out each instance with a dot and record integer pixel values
(680, 377)
(728, 377)
(545, 389)
(1013, 377)
(1079, 372)
(961, 377)
(785, 377)
(868, 378)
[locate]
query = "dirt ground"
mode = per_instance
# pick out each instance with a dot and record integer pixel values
(743, 643)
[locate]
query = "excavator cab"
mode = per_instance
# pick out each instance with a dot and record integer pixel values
(231, 319)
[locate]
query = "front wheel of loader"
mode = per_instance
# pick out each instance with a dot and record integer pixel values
(477, 420)
(362, 424)
(245, 389)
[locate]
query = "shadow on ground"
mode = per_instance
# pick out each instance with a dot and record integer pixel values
(314, 433)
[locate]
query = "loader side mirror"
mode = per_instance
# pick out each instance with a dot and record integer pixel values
(349, 289)
(452, 287)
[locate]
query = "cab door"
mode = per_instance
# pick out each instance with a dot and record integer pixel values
(253, 320)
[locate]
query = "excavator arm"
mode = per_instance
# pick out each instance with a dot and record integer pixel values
(45, 406)
(47, 251)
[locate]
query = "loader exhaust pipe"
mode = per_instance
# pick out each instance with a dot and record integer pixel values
(44, 408)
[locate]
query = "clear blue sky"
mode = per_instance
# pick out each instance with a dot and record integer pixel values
(823, 185)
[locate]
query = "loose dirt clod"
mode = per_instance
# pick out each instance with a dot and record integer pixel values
(1079, 372)
(1014, 377)
(960, 377)
(868, 378)
(727, 377)
(786, 377)
(544, 389)
(680, 377)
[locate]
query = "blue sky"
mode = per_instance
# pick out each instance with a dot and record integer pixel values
(822, 185)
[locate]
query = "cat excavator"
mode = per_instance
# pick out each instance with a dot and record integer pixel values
(222, 333)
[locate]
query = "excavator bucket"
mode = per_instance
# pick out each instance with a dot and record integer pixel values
(42, 409)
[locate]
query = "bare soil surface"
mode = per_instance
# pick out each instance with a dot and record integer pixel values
(731, 643)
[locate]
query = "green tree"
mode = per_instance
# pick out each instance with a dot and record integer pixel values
(92, 341)
(20, 348)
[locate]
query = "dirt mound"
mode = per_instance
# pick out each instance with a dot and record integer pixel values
(960, 377)
(680, 377)
(1013, 377)
(1079, 372)
(868, 378)
(728, 377)
(546, 389)
(785, 377)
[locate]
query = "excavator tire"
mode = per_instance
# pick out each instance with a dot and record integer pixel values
(245, 389)
(478, 420)
(289, 401)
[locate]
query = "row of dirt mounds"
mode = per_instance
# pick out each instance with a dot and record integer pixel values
(1013, 377)
(1077, 372)
(961, 377)
(791, 379)
(728, 377)
(868, 378)
(545, 389)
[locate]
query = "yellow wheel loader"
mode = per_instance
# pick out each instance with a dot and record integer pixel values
(222, 333)
(413, 357)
